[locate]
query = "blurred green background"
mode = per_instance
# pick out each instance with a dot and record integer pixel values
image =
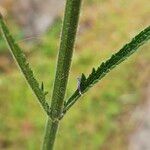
(101, 120)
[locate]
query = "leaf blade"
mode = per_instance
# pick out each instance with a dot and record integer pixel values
(105, 67)
(23, 65)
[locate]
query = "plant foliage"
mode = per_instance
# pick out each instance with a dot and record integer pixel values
(106, 67)
(24, 65)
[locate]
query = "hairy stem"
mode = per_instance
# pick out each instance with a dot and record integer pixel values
(68, 36)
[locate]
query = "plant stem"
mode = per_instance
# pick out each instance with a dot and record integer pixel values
(68, 36)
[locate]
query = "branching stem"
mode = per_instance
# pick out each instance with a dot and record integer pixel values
(68, 36)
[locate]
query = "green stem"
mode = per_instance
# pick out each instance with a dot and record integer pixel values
(50, 135)
(68, 36)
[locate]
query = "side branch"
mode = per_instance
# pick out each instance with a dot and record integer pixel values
(24, 65)
(97, 74)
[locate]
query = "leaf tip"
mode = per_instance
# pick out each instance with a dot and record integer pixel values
(83, 77)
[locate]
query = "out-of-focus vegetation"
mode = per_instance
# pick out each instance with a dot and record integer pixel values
(101, 120)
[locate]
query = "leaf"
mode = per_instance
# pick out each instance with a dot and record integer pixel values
(23, 65)
(105, 67)
(42, 86)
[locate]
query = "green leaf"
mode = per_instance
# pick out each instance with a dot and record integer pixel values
(42, 86)
(24, 65)
(97, 74)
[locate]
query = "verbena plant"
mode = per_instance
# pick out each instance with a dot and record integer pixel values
(59, 106)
